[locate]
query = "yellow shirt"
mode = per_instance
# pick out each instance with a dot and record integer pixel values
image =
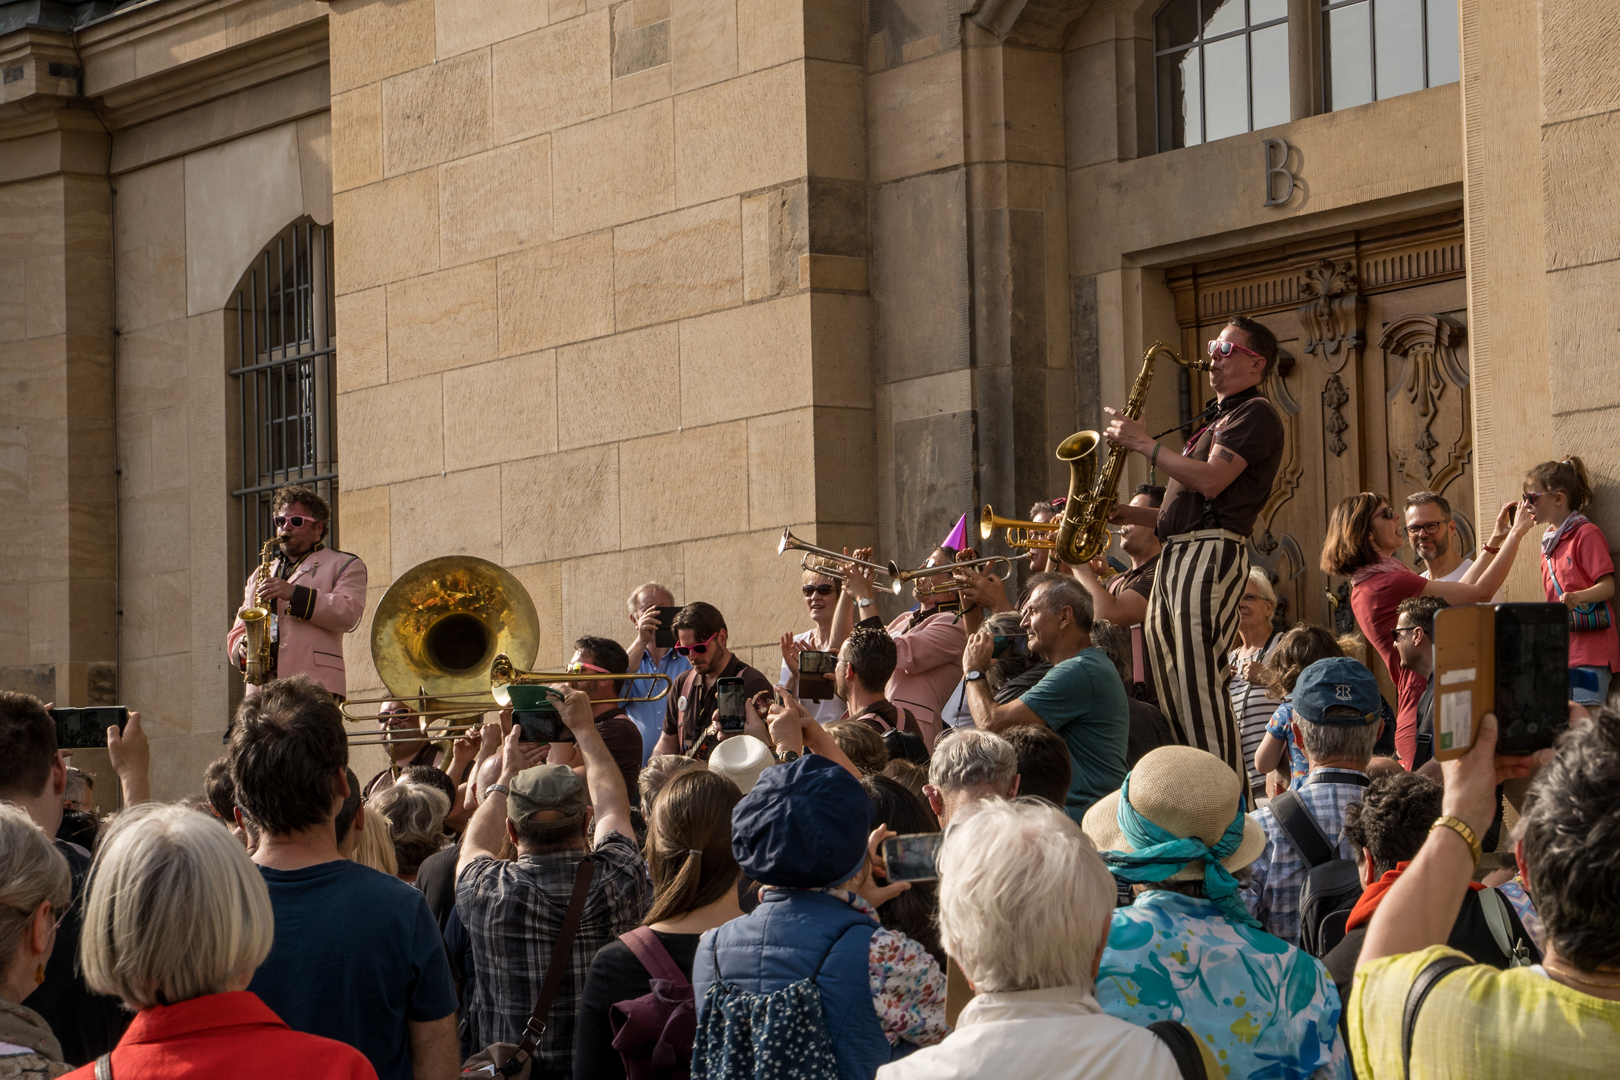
(1480, 1023)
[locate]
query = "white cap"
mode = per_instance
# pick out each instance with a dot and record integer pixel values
(741, 759)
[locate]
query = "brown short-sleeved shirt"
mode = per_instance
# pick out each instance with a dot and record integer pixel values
(1138, 579)
(685, 714)
(1248, 426)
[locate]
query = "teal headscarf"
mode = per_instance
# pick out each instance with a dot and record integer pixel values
(1159, 854)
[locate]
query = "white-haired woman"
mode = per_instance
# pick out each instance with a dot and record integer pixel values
(178, 919)
(415, 815)
(1257, 640)
(1024, 906)
(34, 889)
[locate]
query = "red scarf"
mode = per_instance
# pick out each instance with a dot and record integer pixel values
(1362, 913)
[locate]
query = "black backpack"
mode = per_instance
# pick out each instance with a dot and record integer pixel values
(1332, 885)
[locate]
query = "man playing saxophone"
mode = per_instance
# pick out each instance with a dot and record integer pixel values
(1214, 493)
(314, 594)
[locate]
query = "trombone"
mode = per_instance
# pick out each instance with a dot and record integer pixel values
(827, 563)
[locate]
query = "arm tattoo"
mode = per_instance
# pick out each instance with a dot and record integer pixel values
(1226, 455)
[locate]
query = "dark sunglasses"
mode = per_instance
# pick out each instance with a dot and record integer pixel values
(822, 589)
(700, 648)
(1395, 634)
(296, 521)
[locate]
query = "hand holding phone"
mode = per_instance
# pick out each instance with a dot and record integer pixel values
(912, 856)
(1511, 660)
(78, 729)
(816, 675)
(729, 698)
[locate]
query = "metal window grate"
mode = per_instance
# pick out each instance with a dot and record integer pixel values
(286, 379)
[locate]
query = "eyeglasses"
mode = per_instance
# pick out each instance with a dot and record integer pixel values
(822, 589)
(700, 648)
(1428, 528)
(1224, 348)
(579, 667)
(295, 521)
(1395, 634)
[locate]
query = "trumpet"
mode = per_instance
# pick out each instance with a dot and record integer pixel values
(1027, 535)
(941, 589)
(828, 558)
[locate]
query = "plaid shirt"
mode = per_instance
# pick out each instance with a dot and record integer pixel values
(1278, 875)
(514, 911)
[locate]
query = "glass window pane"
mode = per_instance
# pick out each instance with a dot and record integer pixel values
(1263, 11)
(1222, 16)
(1179, 123)
(1444, 65)
(1269, 76)
(1349, 47)
(1398, 32)
(1176, 24)
(1226, 91)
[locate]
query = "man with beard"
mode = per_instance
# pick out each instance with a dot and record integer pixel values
(1433, 535)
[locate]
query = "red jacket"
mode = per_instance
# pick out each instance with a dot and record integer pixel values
(234, 1035)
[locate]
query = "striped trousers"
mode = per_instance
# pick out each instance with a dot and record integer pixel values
(1191, 620)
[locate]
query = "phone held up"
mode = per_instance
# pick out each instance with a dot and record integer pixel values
(729, 698)
(535, 715)
(1510, 659)
(816, 675)
(78, 729)
(664, 636)
(912, 856)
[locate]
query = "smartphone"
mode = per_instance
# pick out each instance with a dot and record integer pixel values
(729, 697)
(911, 857)
(80, 728)
(816, 675)
(542, 725)
(1510, 659)
(1009, 645)
(664, 636)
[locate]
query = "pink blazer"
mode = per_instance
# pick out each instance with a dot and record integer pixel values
(328, 601)
(928, 665)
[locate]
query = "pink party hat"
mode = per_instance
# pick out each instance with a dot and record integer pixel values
(957, 540)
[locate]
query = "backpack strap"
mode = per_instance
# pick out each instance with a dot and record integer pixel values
(1307, 836)
(1426, 980)
(1183, 1046)
(653, 956)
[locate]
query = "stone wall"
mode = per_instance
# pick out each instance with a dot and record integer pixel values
(601, 299)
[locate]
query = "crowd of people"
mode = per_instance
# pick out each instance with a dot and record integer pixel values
(1048, 831)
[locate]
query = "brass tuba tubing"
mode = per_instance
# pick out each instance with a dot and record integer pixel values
(789, 542)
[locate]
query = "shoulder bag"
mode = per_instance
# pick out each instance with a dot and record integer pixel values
(1594, 616)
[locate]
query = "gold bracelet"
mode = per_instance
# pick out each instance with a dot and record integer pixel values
(1461, 828)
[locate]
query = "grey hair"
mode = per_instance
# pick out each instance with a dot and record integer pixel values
(32, 872)
(1115, 640)
(176, 909)
(1333, 742)
(1024, 899)
(630, 601)
(415, 814)
(1262, 584)
(1063, 591)
(973, 758)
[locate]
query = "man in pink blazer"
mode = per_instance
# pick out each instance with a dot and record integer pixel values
(316, 594)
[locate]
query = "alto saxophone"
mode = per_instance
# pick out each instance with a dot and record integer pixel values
(1082, 534)
(256, 621)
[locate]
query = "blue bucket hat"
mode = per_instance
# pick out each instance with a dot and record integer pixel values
(1338, 680)
(803, 826)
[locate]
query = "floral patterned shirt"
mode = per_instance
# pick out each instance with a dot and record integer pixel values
(1263, 1007)
(908, 987)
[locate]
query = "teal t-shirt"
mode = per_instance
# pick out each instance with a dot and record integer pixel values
(1083, 700)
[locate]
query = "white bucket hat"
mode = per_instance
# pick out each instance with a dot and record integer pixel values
(741, 759)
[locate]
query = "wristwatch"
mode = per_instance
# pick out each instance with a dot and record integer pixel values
(785, 756)
(502, 788)
(865, 601)
(973, 676)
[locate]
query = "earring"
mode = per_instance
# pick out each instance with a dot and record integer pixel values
(39, 975)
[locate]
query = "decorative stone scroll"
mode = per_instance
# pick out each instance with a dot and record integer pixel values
(1424, 417)
(1333, 313)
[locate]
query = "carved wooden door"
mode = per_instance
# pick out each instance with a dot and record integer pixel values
(1372, 385)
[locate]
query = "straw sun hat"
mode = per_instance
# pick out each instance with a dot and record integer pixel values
(1186, 792)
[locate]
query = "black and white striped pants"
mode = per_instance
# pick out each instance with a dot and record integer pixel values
(1191, 621)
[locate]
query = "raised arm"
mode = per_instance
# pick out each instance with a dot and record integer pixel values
(981, 703)
(1489, 580)
(603, 780)
(1126, 609)
(1208, 478)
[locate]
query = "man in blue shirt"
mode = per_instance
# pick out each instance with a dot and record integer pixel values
(646, 657)
(357, 956)
(1081, 698)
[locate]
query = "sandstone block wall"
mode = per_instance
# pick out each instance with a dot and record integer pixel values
(601, 299)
